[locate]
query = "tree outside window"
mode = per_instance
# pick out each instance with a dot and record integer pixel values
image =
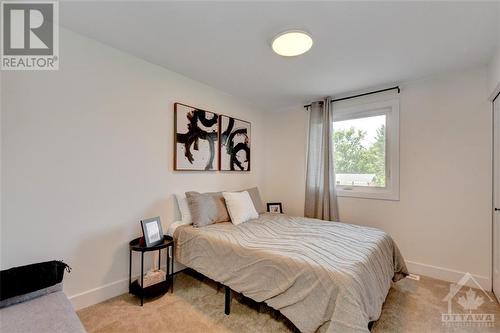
(360, 151)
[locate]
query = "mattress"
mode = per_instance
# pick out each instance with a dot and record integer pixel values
(316, 273)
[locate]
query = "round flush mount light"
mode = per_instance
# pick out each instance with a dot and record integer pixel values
(292, 43)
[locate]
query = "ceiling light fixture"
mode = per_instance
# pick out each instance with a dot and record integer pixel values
(292, 43)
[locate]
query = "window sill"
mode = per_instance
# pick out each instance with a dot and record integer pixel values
(377, 194)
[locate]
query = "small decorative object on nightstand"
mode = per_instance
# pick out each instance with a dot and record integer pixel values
(275, 207)
(150, 289)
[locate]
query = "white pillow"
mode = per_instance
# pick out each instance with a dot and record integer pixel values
(240, 207)
(184, 208)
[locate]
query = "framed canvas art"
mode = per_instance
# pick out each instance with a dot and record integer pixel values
(234, 144)
(196, 138)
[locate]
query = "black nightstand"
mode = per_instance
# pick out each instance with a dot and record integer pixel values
(158, 288)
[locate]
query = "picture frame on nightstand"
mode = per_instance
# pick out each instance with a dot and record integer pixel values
(152, 232)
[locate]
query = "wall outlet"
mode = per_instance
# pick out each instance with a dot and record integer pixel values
(414, 277)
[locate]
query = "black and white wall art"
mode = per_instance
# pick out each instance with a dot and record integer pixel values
(196, 138)
(234, 144)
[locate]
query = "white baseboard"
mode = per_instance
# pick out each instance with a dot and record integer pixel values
(113, 289)
(99, 294)
(447, 274)
(105, 292)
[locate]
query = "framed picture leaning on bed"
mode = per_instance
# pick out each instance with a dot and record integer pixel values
(275, 207)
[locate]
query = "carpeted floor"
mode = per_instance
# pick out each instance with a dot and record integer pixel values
(197, 305)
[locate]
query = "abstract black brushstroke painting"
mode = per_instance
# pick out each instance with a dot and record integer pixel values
(234, 144)
(196, 136)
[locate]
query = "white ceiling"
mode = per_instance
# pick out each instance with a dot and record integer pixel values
(357, 45)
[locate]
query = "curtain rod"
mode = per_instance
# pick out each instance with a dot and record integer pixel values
(360, 95)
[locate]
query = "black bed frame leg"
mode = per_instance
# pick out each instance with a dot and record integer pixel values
(227, 302)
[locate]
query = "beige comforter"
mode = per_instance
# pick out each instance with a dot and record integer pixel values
(314, 272)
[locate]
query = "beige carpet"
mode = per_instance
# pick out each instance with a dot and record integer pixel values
(197, 305)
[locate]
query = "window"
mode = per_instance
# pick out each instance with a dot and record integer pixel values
(366, 143)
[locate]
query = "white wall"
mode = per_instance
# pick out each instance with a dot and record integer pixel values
(285, 159)
(87, 151)
(494, 73)
(443, 218)
(494, 67)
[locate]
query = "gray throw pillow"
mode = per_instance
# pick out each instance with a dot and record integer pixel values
(207, 208)
(256, 199)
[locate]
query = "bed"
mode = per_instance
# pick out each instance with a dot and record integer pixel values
(319, 274)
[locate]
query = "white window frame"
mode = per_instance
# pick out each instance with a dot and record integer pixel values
(390, 109)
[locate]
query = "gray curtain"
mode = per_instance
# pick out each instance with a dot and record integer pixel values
(321, 198)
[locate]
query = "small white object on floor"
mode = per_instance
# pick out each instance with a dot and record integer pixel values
(414, 277)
